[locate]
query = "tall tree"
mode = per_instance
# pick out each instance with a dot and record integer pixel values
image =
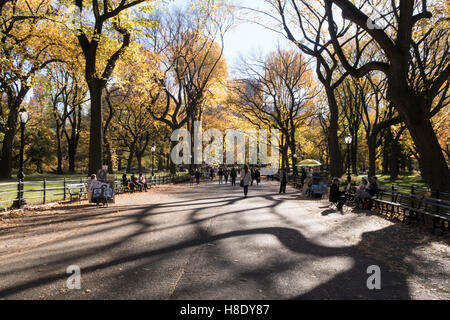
(277, 92)
(304, 24)
(191, 62)
(26, 48)
(109, 19)
(417, 66)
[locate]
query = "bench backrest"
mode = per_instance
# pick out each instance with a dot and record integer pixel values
(389, 195)
(437, 206)
(76, 186)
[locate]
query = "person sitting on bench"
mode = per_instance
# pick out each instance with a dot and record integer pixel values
(125, 182)
(361, 192)
(143, 182)
(337, 196)
(135, 182)
(368, 193)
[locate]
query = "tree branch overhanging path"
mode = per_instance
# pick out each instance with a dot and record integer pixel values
(415, 105)
(410, 50)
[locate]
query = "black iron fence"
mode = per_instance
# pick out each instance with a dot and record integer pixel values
(43, 191)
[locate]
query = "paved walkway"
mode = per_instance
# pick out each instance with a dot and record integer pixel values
(207, 242)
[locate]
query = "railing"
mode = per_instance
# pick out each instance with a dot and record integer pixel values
(412, 189)
(44, 191)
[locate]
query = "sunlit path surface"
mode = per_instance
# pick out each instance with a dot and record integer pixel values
(208, 242)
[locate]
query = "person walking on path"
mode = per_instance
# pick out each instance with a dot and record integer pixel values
(252, 174)
(233, 175)
(257, 176)
(226, 173)
(197, 176)
(283, 181)
(211, 172)
(220, 174)
(246, 179)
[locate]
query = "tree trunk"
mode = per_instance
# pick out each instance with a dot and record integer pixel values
(354, 155)
(130, 160)
(371, 144)
(172, 166)
(7, 146)
(59, 155)
(432, 160)
(395, 153)
(119, 164)
(139, 161)
(160, 163)
(414, 112)
(294, 160)
(108, 157)
(286, 158)
(96, 127)
(333, 141)
(293, 148)
(72, 151)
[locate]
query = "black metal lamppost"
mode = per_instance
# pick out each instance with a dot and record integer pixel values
(348, 141)
(23, 118)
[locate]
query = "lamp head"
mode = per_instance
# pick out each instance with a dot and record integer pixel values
(348, 139)
(24, 116)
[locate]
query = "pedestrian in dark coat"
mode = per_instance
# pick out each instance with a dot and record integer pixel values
(283, 181)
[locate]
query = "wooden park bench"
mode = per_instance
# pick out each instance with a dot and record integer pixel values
(77, 190)
(437, 210)
(118, 187)
(406, 207)
(386, 202)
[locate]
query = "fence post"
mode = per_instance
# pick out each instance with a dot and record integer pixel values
(412, 198)
(45, 191)
(393, 190)
(64, 188)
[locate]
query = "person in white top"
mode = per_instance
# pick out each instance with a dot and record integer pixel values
(246, 179)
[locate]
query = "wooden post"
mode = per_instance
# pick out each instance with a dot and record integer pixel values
(64, 188)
